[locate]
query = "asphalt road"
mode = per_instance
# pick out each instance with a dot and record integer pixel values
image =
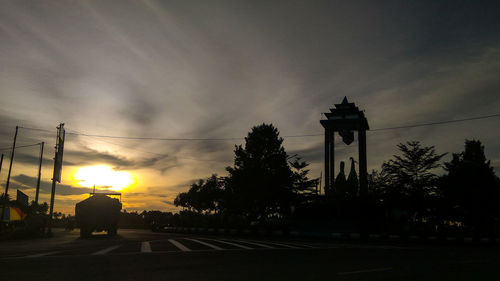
(144, 255)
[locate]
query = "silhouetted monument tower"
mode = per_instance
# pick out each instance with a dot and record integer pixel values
(345, 118)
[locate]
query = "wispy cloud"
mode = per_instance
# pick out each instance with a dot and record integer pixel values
(26, 182)
(210, 70)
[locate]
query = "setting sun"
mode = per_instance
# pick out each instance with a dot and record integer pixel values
(103, 176)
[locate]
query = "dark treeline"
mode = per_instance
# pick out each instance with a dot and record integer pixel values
(146, 219)
(413, 193)
(462, 201)
(35, 222)
(265, 184)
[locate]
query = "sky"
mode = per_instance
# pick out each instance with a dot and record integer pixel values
(214, 69)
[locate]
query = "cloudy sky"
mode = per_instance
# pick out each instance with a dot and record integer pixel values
(214, 69)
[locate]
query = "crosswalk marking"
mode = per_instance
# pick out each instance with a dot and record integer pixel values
(238, 243)
(42, 254)
(145, 247)
(257, 244)
(302, 245)
(106, 250)
(179, 245)
(205, 243)
(232, 244)
(282, 245)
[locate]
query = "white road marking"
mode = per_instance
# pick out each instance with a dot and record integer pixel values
(365, 271)
(257, 244)
(283, 245)
(107, 250)
(42, 254)
(205, 243)
(232, 244)
(179, 245)
(302, 245)
(145, 247)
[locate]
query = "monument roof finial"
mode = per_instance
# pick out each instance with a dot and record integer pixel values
(346, 116)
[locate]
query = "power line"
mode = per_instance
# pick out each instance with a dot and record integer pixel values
(125, 146)
(286, 136)
(159, 154)
(74, 132)
(36, 129)
(28, 145)
(410, 126)
(134, 138)
(128, 147)
(437, 123)
(154, 138)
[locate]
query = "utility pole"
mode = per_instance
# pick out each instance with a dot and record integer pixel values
(10, 164)
(8, 175)
(1, 161)
(61, 133)
(39, 172)
(318, 192)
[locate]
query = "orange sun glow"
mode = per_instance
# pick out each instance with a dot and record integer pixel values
(104, 177)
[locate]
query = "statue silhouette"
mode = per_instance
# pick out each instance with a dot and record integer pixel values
(352, 180)
(340, 181)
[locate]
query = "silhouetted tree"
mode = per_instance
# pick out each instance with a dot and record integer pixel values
(182, 200)
(261, 183)
(212, 193)
(192, 199)
(379, 196)
(37, 209)
(204, 195)
(410, 180)
(57, 215)
(382, 190)
(194, 196)
(156, 217)
(131, 219)
(4, 199)
(303, 187)
(470, 189)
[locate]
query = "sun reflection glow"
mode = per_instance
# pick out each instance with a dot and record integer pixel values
(103, 176)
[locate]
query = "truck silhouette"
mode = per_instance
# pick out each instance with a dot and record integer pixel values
(99, 212)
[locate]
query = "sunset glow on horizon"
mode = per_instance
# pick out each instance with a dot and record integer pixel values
(103, 176)
(156, 95)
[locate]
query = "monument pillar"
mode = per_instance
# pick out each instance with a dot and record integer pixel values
(344, 119)
(327, 162)
(363, 176)
(332, 160)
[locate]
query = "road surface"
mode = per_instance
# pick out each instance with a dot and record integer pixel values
(144, 255)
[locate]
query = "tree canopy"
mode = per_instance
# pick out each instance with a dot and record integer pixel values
(470, 189)
(261, 182)
(203, 196)
(409, 178)
(405, 196)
